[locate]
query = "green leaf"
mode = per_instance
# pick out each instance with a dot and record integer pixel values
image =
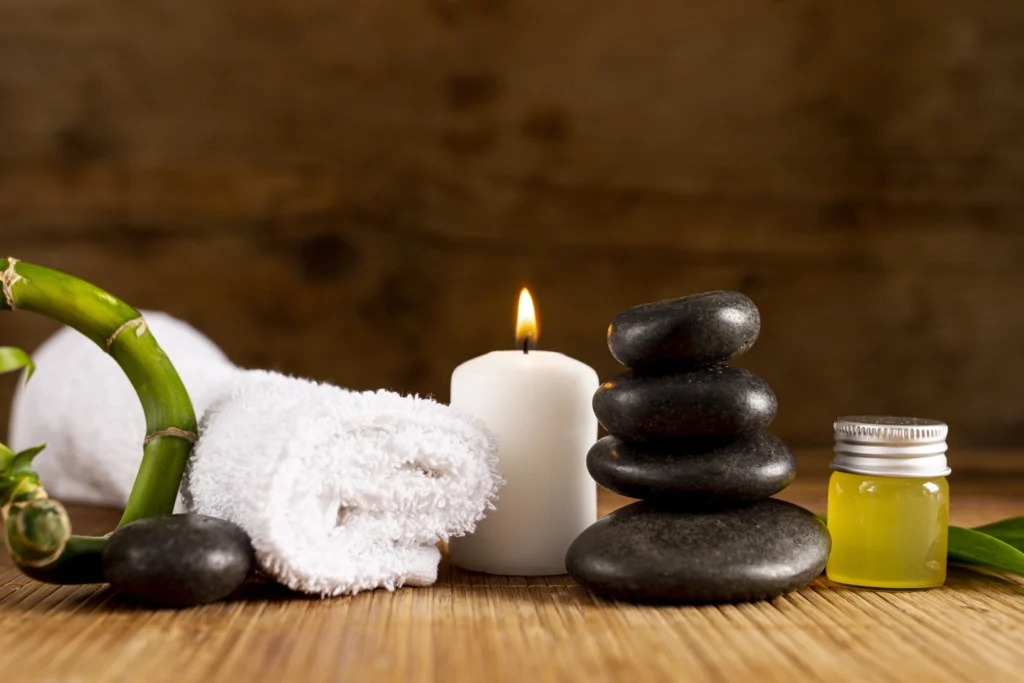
(968, 546)
(6, 460)
(23, 460)
(1009, 531)
(12, 359)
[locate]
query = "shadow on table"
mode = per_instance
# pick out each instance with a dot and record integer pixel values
(974, 579)
(40, 598)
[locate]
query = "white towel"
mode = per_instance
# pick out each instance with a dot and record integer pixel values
(83, 407)
(340, 491)
(343, 491)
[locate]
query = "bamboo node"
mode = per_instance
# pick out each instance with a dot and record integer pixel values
(19, 529)
(171, 431)
(140, 325)
(8, 279)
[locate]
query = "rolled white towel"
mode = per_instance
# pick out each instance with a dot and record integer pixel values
(340, 491)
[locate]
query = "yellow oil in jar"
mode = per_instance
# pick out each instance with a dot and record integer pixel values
(887, 532)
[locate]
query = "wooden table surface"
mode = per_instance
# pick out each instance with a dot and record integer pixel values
(472, 627)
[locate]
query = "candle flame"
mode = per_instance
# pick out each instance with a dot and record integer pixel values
(527, 329)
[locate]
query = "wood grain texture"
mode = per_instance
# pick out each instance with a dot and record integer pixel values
(355, 191)
(474, 627)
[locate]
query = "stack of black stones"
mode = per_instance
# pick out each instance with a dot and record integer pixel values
(687, 436)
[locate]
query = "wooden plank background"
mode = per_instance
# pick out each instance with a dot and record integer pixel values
(355, 191)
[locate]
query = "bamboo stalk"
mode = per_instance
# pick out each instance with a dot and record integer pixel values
(35, 523)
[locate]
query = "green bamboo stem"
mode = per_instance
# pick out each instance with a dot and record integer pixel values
(34, 526)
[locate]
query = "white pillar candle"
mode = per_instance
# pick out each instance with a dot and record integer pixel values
(538, 403)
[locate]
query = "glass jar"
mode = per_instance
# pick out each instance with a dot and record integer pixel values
(888, 503)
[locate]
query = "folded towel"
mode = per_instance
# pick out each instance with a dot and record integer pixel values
(340, 491)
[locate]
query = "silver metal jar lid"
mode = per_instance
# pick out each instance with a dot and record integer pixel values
(906, 447)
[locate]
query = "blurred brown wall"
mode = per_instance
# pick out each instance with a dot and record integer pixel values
(355, 191)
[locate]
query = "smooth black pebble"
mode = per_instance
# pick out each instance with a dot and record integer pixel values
(754, 552)
(689, 331)
(694, 472)
(178, 560)
(718, 401)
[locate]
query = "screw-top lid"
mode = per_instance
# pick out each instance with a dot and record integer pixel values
(890, 446)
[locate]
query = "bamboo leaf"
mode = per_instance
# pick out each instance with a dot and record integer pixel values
(23, 460)
(7, 481)
(12, 359)
(6, 460)
(968, 546)
(1009, 531)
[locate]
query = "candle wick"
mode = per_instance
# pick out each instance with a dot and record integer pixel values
(526, 344)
